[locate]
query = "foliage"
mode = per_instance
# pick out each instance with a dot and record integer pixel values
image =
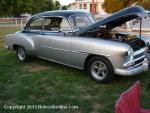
(17, 7)
(64, 7)
(146, 4)
(112, 6)
(56, 5)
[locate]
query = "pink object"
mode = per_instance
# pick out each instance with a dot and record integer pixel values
(129, 101)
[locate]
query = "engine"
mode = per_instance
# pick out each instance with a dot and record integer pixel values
(135, 42)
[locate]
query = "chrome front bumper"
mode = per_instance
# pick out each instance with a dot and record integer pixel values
(133, 70)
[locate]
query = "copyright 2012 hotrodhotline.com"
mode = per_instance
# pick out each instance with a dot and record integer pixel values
(40, 107)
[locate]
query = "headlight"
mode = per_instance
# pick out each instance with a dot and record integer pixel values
(130, 58)
(130, 51)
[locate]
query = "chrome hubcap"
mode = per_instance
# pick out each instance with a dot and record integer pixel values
(21, 54)
(99, 70)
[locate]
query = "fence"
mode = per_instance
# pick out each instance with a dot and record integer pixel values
(20, 22)
(12, 22)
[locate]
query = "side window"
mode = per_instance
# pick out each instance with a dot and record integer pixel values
(36, 24)
(56, 24)
(65, 25)
(47, 23)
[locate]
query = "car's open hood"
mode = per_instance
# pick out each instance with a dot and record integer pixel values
(116, 19)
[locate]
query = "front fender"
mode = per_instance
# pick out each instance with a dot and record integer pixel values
(112, 50)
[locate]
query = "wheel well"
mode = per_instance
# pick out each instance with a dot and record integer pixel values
(16, 46)
(91, 56)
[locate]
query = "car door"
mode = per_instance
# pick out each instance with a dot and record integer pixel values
(54, 42)
(33, 30)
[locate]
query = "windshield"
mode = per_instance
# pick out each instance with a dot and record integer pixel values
(79, 21)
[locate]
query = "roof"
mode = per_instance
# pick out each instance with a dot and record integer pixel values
(64, 13)
(117, 18)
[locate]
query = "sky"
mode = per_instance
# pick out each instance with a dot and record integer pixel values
(66, 2)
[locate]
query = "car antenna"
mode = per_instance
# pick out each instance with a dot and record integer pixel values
(140, 31)
(133, 4)
(140, 27)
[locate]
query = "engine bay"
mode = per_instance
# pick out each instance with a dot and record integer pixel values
(111, 34)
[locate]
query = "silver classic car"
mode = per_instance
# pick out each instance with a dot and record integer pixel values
(75, 39)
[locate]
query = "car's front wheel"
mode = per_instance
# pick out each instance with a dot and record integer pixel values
(22, 54)
(100, 69)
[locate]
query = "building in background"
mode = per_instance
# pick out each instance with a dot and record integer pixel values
(86, 5)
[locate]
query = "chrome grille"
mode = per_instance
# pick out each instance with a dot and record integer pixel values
(139, 58)
(138, 55)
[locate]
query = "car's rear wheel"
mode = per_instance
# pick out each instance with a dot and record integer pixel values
(22, 54)
(100, 69)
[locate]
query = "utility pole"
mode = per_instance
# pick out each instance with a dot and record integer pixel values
(93, 7)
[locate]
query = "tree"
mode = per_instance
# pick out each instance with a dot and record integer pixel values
(41, 5)
(8, 7)
(23, 6)
(17, 7)
(111, 6)
(56, 5)
(64, 7)
(50, 5)
(146, 4)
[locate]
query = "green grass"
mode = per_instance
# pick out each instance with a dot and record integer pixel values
(41, 82)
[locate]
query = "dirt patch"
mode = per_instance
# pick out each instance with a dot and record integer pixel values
(36, 68)
(9, 27)
(96, 106)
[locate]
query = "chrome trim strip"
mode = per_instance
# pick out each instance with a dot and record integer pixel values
(85, 53)
(138, 58)
(56, 48)
(79, 52)
(135, 66)
(140, 51)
